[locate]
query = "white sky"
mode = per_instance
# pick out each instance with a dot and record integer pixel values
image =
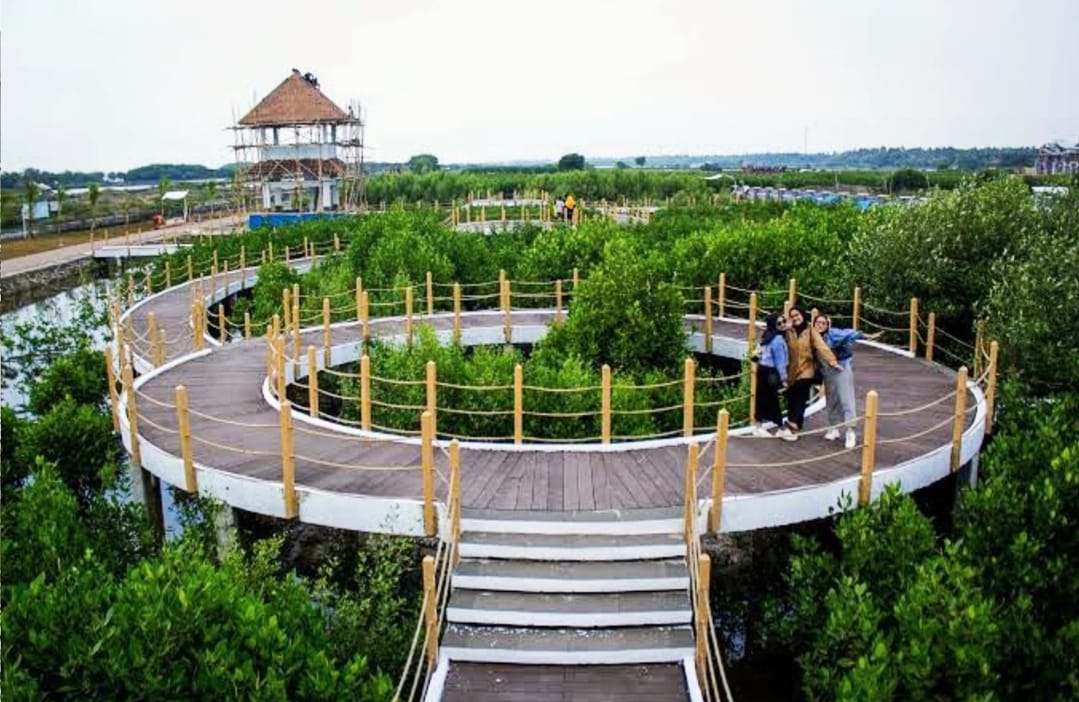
(113, 84)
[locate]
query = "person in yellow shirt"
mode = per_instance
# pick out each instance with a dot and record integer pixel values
(570, 205)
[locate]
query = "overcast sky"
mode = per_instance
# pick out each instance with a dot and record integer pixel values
(113, 84)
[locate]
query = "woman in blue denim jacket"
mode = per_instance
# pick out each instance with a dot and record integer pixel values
(771, 375)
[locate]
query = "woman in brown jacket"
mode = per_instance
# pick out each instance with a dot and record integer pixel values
(806, 347)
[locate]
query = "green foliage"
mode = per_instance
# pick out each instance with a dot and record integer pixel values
(423, 163)
(12, 472)
(907, 180)
(571, 162)
(79, 375)
(78, 439)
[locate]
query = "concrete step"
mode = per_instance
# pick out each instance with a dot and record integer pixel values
(571, 547)
(563, 576)
(611, 522)
(463, 642)
(530, 609)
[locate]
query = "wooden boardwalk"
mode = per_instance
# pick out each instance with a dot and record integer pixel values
(235, 430)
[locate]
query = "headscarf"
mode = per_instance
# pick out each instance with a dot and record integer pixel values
(771, 328)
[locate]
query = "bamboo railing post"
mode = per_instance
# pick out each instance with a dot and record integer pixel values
(184, 422)
(366, 316)
(708, 319)
(197, 317)
(222, 328)
(359, 299)
(913, 344)
(930, 336)
(558, 300)
(751, 334)
(752, 392)
(693, 452)
(869, 448)
(408, 313)
(130, 289)
(991, 386)
(365, 392)
(856, 313)
(507, 306)
(312, 382)
(432, 393)
(455, 492)
(430, 616)
(288, 461)
(689, 382)
(959, 418)
(704, 578)
(306, 248)
(336, 242)
(114, 400)
(295, 336)
(296, 308)
(190, 269)
(271, 251)
(722, 295)
(243, 265)
(719, 472)
(279, 365)
(286, 304)
(518, 404)
(132, 416)
(576, 280)
(288, 256)
(430, 295)
(792, 292)
(155, 348)
(457, 313)
(326, 319)
(979, 344)
(427, 464)
(247, 324)
(605, 404)
(168, 273)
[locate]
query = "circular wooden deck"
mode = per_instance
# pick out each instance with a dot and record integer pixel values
(357, 482)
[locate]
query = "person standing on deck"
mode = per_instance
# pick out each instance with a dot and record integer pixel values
(559, 208)
(570, 205)
(807, 348)
(771, 376)
(839, 385)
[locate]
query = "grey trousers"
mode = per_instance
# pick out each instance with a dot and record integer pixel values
(839, 393)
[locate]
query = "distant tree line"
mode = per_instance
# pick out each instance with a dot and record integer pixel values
(152, 173)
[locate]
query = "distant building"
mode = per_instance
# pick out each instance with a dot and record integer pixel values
(301, 151)
(1057, 158)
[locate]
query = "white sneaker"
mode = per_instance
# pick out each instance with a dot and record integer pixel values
(761, 433)
(831, 435)
(851, 439)
(786, 434)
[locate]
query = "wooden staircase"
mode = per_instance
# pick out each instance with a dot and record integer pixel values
(544, 590)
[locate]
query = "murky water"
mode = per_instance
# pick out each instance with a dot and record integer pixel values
(61, 310)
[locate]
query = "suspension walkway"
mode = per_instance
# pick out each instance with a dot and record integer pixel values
(571, 566)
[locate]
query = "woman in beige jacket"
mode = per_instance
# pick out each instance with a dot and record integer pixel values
(805, 347)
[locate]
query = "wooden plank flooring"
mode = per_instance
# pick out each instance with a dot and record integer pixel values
(225, 394)
(485, 682)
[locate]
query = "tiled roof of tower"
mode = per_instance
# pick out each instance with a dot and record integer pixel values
(295, 101)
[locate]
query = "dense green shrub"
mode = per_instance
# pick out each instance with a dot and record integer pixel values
(80, 375)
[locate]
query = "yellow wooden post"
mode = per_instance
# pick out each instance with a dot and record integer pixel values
(427, 464)
(558, 300)
(455, 491)
(979, 344)
(288, 256)
(576, 280)
(155, 350)
(296, 308)
(197, 314)
(359, 299)
(365, 392)
(336, 242)
(263, 259)
(693, 452)
(222, 328)
(792, 292)
(408, 313)
(605, 404)
(518, 404)
(719, 472)
(271, 251)
(503, 212)
(214, 265)
(184, 422)
(430, 295)
(930, 335)
(247, 324)
(689, 381)
(130, 289)
(430, 616)
(168, 273)
(708, 319)
(752, 391)
(366, 314)
(869, 448)
(286, 304)
(913, 345)
(114, 401)
(722, 295)
(856, 314)
(507, 306)
(312, 382)
(456, 313)
(190, 269)
(306, 248)
(991, 386)
(132, 416)
(279, 362)
(243, 263)
(704, 578)
(326, 319)
(432, 393)
(959, 419)
(751, 334)
(288, 461)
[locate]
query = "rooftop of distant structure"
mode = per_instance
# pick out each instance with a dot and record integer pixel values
(297, 100)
